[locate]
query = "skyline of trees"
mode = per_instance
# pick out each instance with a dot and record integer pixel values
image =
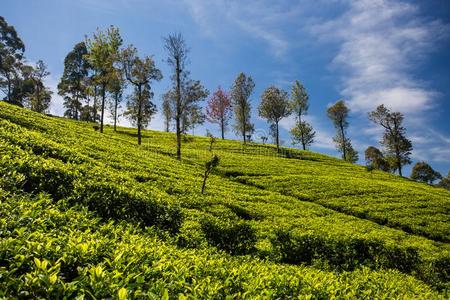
(93, 72)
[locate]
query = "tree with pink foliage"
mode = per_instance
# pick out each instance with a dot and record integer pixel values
(218, 109)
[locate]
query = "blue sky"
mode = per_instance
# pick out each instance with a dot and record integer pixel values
(367, 52)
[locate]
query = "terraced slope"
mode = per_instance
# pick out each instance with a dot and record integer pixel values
(315, 213)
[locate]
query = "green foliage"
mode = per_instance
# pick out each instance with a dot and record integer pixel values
(394, 140)
(373, 229)
(424, 172)
(344, 254)
(303, 133)
(338, 114)
(240, 93)
(234, 237)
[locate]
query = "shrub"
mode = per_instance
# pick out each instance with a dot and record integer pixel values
(111, 201)
(345, 254)
(236, 238)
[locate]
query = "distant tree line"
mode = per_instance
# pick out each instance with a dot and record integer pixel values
(98, 71)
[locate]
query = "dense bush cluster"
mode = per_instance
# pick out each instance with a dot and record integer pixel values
(344, 254)
(235, 238)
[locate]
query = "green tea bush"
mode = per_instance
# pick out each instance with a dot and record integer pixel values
(236, 237)
(111, 201)
(345, 254)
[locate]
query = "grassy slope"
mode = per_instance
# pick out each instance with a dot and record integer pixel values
(315, 195)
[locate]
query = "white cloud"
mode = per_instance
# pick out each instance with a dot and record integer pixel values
(381, 42)
(431, 145)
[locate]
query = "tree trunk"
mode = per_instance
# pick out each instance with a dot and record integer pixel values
(94, 107)
(103, 106)
(244, 121)
(9, 87)
(399, 164)
(139, 117)
(115, 112)
(344, 147)
(177, 119)
(302, 131)
(222, 128)
(277, 138)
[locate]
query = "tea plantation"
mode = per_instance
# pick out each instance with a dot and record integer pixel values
(88, 215)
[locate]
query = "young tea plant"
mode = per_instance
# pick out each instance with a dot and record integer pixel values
(210, 165)
(212, 140)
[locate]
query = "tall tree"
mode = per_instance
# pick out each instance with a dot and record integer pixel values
(302, 132)
(219, 109)
(187, 93)
(338, 113)
(139, 72)
(103, 55)
(274, 106)
(177, 55)
(11, 59)
(424, 172)
(394, 140)
(72, 85)
(39, 99)
(140, 109)
(168, 109)
(375, 159)
(240, 94)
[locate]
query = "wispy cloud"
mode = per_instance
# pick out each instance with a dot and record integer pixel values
(262, 20)
(381, 43)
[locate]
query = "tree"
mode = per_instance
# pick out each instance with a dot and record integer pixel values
(192, 117)
(423, 172)
(139, 72)
(338, 113)
(210, 165)
(240, 93)
(394, 140)
(116, 88)
(140, 109)
(219, 109)
(274, 106)
(445, 182)
(212, 139)
(73, 84)
(375, 158)
(11, 58)
(177, 55)
(303, 133)
(22, 85)
(39, 99)
(103, 54)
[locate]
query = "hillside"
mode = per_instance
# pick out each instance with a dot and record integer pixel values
(85, 213)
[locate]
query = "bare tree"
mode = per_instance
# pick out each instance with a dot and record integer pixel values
(177, 55)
